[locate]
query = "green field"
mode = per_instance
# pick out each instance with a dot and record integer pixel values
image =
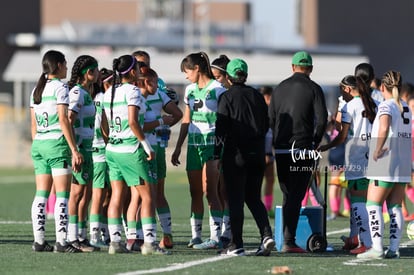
(17, 257)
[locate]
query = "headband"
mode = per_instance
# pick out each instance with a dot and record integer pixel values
(218, 68)
(108, 78)
(130, 67)
(91, 67)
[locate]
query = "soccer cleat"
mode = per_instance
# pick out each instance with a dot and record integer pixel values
(153, 249)
(208, 244)
(45, 247)
(350, 242)
(134, 245)
(85, 246)
(360, 249)
(99, 244)
(68, 248)
(194, 241)
(117, 248)
(231, 250)
(371, 254)
(166, 241)
(225, 242)
(266, 247)
(389, 254)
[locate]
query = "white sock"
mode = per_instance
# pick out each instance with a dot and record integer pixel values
(376, 226)
(115, 231)
(196, 227)
(61, 219)
(39, 218)
(396, 225)
(150, 232)
(72, 229)
(361, 220)
(226, 228)
(215, 227)
(165, 222)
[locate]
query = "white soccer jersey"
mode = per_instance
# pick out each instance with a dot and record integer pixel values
(48, 126)
(395, 164)
(357, 142)
(154, 104)
(98, 141)
(203, 105)
(80, 101)
(121, 137)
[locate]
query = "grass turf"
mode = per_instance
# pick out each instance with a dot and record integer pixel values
(17, 257)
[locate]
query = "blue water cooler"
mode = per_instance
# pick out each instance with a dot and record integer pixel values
(309, 233)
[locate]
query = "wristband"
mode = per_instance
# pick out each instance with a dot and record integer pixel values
(161, 121)
(147, 147)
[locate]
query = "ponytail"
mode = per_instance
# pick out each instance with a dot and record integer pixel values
(392, 81)
(369, 104)
(40, 86)
(115, 64)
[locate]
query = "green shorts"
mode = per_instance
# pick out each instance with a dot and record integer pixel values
(85, 175)
(386, 184)
(198, 155)
(51, 157)
(100, 175)
(358, 184)
(133, 168)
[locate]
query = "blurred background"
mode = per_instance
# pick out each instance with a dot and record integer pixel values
(338, 34)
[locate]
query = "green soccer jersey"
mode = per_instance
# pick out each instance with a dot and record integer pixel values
(203, 105)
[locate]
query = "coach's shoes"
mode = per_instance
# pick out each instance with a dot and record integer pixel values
(153, 249)
(194, 241)
(208, 244)
(45, 247)
(67, 248)
(371, 254)
(292, 249)
(117, 248)
(268, 244)
(231, 250)
(389, 254)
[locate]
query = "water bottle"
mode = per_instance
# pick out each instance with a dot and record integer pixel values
(163, 132)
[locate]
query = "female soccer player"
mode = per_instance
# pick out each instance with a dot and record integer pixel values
(54, 151)
(357, 116)
(82, 118)
(389, 167)
(201, 99)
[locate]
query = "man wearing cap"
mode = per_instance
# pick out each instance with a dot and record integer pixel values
(298, 116)
(241, 127)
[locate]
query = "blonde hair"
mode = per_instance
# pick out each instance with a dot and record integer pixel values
(392, 81)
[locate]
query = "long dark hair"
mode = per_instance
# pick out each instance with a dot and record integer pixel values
(364, 92)
(50, 65)
(199, 59)
(121, 67)
(220, 64)
(82, 64)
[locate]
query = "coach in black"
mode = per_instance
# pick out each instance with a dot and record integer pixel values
(298, 116)
(241, 126)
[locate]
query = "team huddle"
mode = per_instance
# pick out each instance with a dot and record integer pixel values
(99, 145)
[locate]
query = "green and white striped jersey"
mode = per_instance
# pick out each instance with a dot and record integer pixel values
(121, 137)
(98, 141)
(80, 101)
(203, 105)
(48, 127)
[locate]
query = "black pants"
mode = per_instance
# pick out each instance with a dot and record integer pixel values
(243, 175)
(293, 181)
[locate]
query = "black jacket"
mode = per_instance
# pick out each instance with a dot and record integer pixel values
(297, 113)
(242, 120)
